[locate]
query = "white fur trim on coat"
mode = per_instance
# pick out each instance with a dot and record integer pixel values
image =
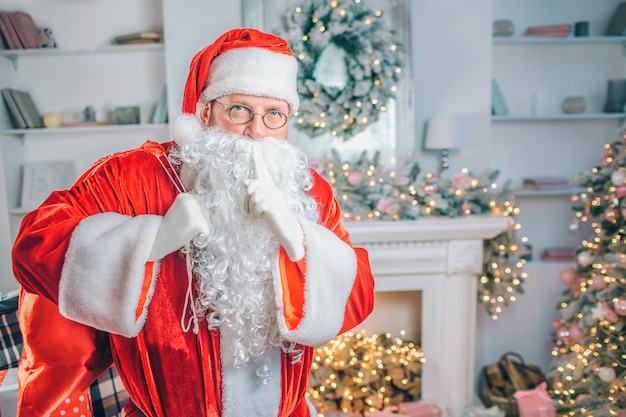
(255, 72)
(103, 273)
(331, 266)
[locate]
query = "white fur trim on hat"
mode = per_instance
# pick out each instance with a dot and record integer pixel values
(256, 72)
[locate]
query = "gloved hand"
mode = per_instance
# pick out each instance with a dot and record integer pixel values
(268, 203)
(182, 222)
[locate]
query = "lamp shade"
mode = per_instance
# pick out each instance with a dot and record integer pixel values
(444, 132)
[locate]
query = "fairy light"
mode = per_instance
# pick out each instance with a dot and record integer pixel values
(368, 373)
(315, 21)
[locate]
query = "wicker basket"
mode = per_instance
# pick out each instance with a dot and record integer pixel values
(499, 381)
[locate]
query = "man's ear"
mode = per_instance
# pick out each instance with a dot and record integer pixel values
(205, 113)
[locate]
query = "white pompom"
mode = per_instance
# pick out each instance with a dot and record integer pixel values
(186, 126)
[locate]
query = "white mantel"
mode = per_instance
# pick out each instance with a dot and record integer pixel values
(441, 257)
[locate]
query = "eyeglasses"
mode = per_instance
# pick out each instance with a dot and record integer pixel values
(240, 115)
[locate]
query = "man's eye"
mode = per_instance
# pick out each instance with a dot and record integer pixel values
(273, 113)
(239, 109)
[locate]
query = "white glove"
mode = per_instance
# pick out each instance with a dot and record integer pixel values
(182, 222)
(268, 203)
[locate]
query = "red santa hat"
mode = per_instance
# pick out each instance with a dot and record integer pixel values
(243, 61)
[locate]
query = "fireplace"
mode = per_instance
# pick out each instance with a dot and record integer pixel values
(438, 259)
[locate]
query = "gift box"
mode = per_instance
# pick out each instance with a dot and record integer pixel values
(535, 402)
(387, 412)
(482, 411)
(419, 409)
(8, 393)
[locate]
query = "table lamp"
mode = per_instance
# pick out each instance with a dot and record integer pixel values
(444, 133)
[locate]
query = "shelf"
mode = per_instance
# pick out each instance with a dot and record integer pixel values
(82, 129)
(557, 264)
(19, 211)
(553, 117)
(548, 193)
(14, 54)
(555, 39)
(22, 133)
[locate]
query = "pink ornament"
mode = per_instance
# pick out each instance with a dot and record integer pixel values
(563, 335)
(461, 181)
(430, 188)
(355, 178)
(606, 374)
(611, 215)
(620, 190)
(610, 314)
(575, 198)
(598, 282)
(466, 206)
(619, 306)
(618, 177)
(584, 258)
(387, 206)
(576, 333)
(555, 324)
(568, 276)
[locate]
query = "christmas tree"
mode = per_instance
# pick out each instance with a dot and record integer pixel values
(588, 371)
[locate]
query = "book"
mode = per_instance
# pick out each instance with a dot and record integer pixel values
(26, 29)
(27, 107)
(3, 42)
(160, 112)
(617, 25)
(551, 30)
(559, 254)
(17, 120)
(8, 31)
(546, 183)
(139, 37)
(498, 105)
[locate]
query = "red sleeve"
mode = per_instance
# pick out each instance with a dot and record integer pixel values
(113, 184)
(360, 302)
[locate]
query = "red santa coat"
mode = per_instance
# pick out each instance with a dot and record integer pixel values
(85, 250)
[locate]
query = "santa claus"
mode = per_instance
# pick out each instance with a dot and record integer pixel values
(206, 269)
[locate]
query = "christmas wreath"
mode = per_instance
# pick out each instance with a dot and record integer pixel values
(349, 65)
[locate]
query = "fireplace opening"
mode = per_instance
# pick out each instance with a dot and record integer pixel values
(374, 366)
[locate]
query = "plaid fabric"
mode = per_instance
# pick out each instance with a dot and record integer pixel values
(10, 335)
(108, 394)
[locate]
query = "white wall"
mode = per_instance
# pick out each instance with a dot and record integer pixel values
(451, 46)
(190, 25)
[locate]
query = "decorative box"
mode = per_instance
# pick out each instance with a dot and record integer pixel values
(387, 412)
(535, 402)
(482, 411)
(8, 393)
(419, 409)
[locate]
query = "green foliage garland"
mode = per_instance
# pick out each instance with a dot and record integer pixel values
(368, 192)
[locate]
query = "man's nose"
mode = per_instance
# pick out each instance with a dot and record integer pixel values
(256, 128)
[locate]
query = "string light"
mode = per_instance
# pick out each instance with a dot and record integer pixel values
(588, 370)
(358, 373)
(370, 192)
(373, 65)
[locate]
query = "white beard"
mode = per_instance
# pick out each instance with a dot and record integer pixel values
(233, 267)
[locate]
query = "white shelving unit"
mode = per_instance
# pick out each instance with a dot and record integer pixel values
(86, 69)
(546, 141)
